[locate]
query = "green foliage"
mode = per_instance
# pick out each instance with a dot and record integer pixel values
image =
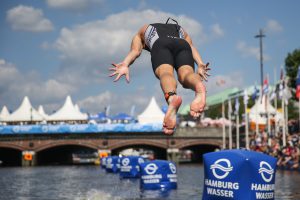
(292, 61)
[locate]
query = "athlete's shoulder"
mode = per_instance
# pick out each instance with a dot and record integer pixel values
(143, 29)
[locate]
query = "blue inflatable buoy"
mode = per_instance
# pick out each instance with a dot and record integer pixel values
(158, 174)
(129, 166)
(112, 164)
(238, 174)
(103, 162)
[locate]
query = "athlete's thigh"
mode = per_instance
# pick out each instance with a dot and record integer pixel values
(184, 71)
(164, 69)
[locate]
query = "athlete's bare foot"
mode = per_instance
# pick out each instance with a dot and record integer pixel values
(170, 117)
(198, 104)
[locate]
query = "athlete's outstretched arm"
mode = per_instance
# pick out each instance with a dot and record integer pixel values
(202, 68)
(123, 67)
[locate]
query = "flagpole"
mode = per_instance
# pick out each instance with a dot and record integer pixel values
(268, 113)
(299, 109)
(237, 131)
(256, 115)
(230, 130)
(286, 119)
(223, 125)
(275, 103)
(246, 125)
(283, 123)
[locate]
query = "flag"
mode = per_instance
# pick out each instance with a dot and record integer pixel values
(237, 105)
(298, 84)
(281, 74)
(229, 107)
(286, 92)
(107, 110)
(272, 95)
(132, 111)
(246, 98)
(279, 89)
(220, 82)
(255, 93)
(266, 86)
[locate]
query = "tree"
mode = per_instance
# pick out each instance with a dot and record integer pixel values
(292, 62)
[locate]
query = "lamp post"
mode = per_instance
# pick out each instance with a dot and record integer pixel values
(260, 36)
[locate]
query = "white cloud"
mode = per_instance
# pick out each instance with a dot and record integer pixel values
(88, 49)
(117, 103)
(76, 5)
(250, 51)
(27, 18)
(247, 50)
(14, 85)
(217, 31)
(273, 26)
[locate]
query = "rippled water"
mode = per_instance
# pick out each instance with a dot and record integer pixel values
(93, 183)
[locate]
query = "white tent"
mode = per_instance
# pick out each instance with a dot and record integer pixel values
(258, 113)
(68, 113)
(4, 113)
(152, 114)
(77, 107)
(42, 112)
(25, 113)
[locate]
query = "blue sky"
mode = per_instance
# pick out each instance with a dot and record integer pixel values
(54, 48)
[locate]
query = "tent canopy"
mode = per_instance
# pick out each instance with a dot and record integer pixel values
(42, 112)
(258, 112)
(152, 113)
(4, 113)
(68, 112)
(24, 113)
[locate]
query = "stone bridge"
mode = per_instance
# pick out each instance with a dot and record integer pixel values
(39, 146)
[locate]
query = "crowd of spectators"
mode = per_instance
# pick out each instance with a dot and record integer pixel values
(288, 156)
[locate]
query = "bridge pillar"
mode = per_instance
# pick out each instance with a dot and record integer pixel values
(173, 155)
(28, 158)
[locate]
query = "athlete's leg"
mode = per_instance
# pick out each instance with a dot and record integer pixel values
(189, 79)
(165, 73)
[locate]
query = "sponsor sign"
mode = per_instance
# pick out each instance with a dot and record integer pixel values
(112, 164)
(130, 166)
(158, 174)
(238, 174)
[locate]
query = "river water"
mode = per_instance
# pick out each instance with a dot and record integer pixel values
(93, 183)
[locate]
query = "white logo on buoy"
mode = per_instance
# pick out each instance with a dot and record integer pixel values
(125, 162)
(172, 168)
(151, 168)
(262, 170)
(141, 160)
(225, 169)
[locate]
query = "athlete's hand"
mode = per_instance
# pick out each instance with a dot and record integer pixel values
(203, 71)
(119, 70)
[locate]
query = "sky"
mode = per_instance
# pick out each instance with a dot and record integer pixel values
(50, 49)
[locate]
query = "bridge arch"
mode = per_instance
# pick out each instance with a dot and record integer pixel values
(64, 153)
(12, 146)
(54, 144)
(134, 142)
(153, 149)
(10, 155)
(189, 143)
(194, 150)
